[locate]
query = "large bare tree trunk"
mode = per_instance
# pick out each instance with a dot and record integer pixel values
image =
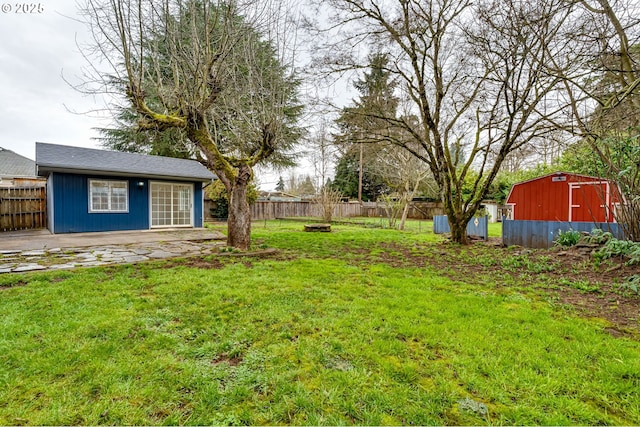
(457, 221)
(239, 222)
(458, 232)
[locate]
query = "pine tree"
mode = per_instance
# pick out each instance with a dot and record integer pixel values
(360, 131)
(280, 184)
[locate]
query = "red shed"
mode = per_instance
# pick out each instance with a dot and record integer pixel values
(564, 196)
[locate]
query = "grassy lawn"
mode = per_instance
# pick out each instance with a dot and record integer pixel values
(358, 326)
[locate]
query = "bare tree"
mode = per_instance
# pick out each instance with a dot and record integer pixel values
(323, 153)
(404, 173)
(328, 198)
(600, 69)
(473, 75)
(209, 69)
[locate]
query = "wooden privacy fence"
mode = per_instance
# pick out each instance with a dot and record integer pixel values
(277, 209)
(261, 210)
(23, 208)
(417, 210)
(272, 210)
(541, 234)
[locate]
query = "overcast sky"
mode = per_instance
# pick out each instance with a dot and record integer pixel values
(36, 49)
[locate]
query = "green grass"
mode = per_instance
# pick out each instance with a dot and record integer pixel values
(331, 332)
(411, 225)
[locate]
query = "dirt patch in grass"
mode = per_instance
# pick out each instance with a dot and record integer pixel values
(212, 263)
(220, 260)
(255, 254)
(230, 360)
(14, 284)
(621, 311)
(570, 276)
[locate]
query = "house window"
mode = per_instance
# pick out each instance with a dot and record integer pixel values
(108, 196)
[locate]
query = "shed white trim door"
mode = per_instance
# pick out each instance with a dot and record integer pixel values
(171, 204)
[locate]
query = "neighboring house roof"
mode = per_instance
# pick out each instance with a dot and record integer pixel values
(277, 196)
(13, 165)
(64, 158)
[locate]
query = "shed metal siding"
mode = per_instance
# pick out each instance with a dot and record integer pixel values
(71, 206)
(548, 199)
(541, 234)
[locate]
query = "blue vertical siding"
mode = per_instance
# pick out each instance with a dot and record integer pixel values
(541, 234)
(198, 201)
(71, 206)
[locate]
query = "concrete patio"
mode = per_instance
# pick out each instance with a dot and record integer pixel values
(44, 240)
(40, 250)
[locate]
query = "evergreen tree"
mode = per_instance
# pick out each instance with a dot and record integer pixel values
(358, 125)
(280, 184)
(306, 187)
(347, 174)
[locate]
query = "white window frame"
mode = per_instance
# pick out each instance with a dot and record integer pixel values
(110, 184)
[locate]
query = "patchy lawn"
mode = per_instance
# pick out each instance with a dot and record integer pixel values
(357, 326)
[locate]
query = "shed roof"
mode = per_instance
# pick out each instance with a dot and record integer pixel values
(562, 173)
(64, 158)
(14, 165)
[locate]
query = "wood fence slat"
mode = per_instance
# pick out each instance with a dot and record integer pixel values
(23, 208)
(279, 209)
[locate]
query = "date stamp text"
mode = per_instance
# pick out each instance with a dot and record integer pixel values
(22, 8)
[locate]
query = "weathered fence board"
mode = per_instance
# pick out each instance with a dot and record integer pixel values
(272, 210)
(417, 210)
(541, 234)
(478, 226)
(23, 208)
(279, 209)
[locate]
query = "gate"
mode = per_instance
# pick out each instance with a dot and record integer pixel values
(23, 208)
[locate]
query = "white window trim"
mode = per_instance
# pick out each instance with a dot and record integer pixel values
(109, 182)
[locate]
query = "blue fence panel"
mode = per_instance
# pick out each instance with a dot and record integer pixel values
(478, 226)
(441, 224)
(541, 234)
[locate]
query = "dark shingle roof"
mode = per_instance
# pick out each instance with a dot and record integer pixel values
(16, 166)
(64, 158)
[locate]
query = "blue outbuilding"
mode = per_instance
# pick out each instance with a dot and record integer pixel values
(98, 190)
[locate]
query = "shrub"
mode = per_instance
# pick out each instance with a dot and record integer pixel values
(620, 248)
(218, 194)
(599, 236)
(568, 238)
(631, 285)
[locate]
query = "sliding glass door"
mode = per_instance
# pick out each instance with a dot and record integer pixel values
(171, 204)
